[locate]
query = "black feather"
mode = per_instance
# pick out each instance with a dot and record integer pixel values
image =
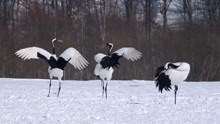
(172, 66)
(60, 63)
(111, 61)
(52, 61)
(163, 82)
(106, 62)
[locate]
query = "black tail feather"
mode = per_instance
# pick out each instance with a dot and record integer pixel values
(163, 82)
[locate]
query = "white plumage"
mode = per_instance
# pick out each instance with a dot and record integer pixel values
(129, 53)
(31, 53)
(103, 73)
(179, 74)
(76, 59)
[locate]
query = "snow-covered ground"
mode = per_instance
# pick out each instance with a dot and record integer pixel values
(25, 101)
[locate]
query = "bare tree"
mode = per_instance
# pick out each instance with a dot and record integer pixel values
(148, 16)
(128, 9)
(209, 8)
(5, 13)
(187, 10)
(164, 6)
(103, 8)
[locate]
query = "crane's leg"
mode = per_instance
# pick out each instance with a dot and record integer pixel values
(63, 74)
(102, 84)
(59, 88)
(106, 89)
(175, 91)
(49, 89)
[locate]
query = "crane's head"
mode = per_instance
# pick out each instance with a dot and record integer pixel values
(170, 65)
(167, 65)
(55, 40)
(110, 45)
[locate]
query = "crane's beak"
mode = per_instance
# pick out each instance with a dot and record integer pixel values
(59, 40)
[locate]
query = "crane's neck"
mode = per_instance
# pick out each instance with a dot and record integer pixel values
(110, 49)
(54, 51)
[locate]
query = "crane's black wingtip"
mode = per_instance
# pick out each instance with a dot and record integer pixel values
(163, 82)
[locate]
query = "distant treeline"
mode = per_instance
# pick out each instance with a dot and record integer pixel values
(192, 36)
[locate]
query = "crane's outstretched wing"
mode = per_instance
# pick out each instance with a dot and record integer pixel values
(129, 53)
(72, 56)
(36, 53)
(33, 53)
(126, 52)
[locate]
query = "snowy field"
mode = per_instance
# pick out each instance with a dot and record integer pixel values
(25, 101)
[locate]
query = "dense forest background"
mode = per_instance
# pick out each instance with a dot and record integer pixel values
(163, 30)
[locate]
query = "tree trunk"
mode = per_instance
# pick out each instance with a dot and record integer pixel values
(164, 8)
(56, 6)
(62, 6)
(128, 10)
(5, 13)
(219, 10)
(164, 21)
(12, 14)
(102, 19)
(43, 1)
(0, 11)
(184, 11)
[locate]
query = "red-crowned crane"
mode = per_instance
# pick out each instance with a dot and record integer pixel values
(171, 74)
(56, 65)
(106, 63)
